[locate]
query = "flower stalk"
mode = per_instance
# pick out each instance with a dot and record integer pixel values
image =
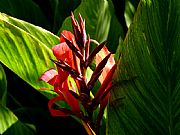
(73, 59)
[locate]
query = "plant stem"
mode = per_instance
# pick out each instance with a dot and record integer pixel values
(88, 128)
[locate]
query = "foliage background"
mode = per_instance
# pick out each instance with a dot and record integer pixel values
(144, 35)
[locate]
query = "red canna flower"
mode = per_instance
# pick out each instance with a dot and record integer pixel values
(60, 79)
(73, 57)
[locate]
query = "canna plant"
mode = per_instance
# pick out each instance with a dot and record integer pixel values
(144, 98)
(25, 49)
(73, 58)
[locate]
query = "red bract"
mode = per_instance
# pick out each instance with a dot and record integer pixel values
(73, 57)
(107, 73)
(60, 79)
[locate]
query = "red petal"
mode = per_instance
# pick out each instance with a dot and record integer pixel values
(106, 82)
(64, 94)
(56, 112)
(68, 35)
(62, 75)
(49, 76)
(71, 100)
(110, 63)
(62, 51)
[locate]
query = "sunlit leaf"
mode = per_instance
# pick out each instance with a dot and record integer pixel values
(25, 49)
(39, 33)
(7, 118)
(3, 86)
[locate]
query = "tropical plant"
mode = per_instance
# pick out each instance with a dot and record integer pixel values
(74, 81)
(145, 93)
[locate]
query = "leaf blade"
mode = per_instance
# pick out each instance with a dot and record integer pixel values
(24, 52)
(3, 86)
(151, 53)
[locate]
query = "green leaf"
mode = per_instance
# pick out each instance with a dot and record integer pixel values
(3, 86)
(7, 119)
(129, 12)
(133, 2)
(39, 33)
(25, 49)
(146, 97)
(10, 124)
(101, 23)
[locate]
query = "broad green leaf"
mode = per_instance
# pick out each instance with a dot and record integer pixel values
(25, 49)
(26, 10)
(10, 124)
(146, 97)
(39, 33)
(100, 19)
(3, 86)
